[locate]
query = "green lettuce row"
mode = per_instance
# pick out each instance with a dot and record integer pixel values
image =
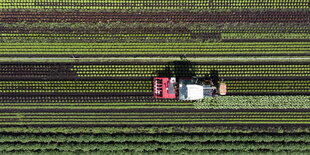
(75, 86)
(95, 87)
(254, 102)
(199, 70)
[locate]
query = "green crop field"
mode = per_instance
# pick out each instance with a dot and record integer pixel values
(77, 77)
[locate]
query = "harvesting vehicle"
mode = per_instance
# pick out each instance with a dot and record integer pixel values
(187, 88)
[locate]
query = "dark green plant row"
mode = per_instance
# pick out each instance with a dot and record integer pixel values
(177, 129)
(158, 152)
(153, 146)
(143, 116)
(157, 138)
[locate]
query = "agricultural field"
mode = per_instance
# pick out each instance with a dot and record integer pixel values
(76, 76)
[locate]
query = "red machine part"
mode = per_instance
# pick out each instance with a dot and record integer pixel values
(161, 88)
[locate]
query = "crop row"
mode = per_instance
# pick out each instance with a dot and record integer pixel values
(233, 87)
(83, 99)
(160, 151)
(265, 36)
(293, 113)
(188, 70)
(144, 147)
(268, 86)
(144, 16)
(147, 71)
(166, 144)
(96, 36)
(161, 44)
(75, 86)
(254, 102)
(157, 118)
(198, 30)
(86, 105)
(142, 138)
(169, 37)
(139, 4)
(139, 130)
(149, 49)
(154, 28)
(154, 69)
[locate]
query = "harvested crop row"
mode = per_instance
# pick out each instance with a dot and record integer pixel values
(70, 99)
(151, 28)
(16, 71)
(74, 86)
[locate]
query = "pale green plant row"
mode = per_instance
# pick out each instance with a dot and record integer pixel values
(194, 113)
(164, 122)
(164, 48)
(138, 4)
(254, 102)
(142, 117)
(237, 44)
(75, 86)
(11, 37)
(265, 36)
(102, 104)
(267, 86)
(200, 70)
(93, 107)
